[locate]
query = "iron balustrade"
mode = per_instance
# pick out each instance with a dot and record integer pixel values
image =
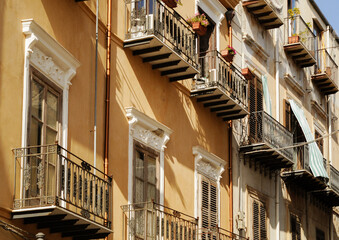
(153, 17)
(334, 179)
(215, 71)
(150, 220)
(326, 64)
(218, 234)
(50, 175)
(296, 27)
(263, 128)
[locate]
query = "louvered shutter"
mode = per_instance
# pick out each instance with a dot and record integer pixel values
(295, 227)
(259, 221)
(263, 230)
(255, 220)
(255, 105)
(209, 206)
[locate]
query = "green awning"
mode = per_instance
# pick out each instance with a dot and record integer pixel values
(315, 156)
(267, 96)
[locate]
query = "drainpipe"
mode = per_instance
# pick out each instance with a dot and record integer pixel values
(277, 104)
(230, 174)
(108, 82)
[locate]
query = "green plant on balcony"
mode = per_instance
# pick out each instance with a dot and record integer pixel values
(302, 35)
(172, 3)
(199, 23)
(228, 53)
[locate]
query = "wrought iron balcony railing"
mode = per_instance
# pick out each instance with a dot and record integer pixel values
(334, 179)
(153, 17)
(325, 72)
(150, 220)
(218, 234)
(298, 28)
(52, 176)
(215, 71)
(299, 41)
(265, 129)
(153, 221)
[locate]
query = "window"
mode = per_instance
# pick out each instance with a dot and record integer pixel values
(209, 206)
(255, 105)
(320, 142)
(320, 235)
(292, 124)
(317, 45)
(259, 220)
(44, 113)
(145, 174)
(295, 227)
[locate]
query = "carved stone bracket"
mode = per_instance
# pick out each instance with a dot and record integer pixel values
(208, 164)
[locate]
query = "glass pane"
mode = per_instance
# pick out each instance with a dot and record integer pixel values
(52, 110)
(37, 98)
(35, 133)
(151, 192)
(151, 168)
(51, 136)
(139, 191)
(139, 165)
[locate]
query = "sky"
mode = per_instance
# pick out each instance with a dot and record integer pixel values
(330, 10)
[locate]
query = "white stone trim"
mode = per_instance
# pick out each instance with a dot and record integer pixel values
(152, 134)
(208, 165)
(216, 11)
(48, 56)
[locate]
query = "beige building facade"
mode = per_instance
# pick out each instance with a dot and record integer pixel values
(153, 132)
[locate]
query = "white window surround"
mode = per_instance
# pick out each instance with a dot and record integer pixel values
(152, 134)
(210, 166)
(45, 54)
(216, 11)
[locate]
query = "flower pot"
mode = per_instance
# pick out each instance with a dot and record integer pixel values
(246, 72)
(199, 29)
(293, 39)
(171, 3)
(227, 55)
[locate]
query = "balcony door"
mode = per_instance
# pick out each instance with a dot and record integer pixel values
(255, 109)
(43, 128)
(207, 47)
(317, 46)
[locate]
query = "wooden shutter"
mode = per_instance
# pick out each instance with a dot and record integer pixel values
(259, 221)
(295, 227)
(255, 105)
(209, 204)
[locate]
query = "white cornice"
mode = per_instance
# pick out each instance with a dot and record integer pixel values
(50, 46)
(214, 9)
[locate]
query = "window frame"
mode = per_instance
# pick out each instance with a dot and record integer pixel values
(37, 76)
(297, 221)
(320, 142)
(137, 146)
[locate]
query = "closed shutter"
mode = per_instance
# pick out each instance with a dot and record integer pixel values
(259, 221)
(255, 105)
(209, 206)
(295, 227)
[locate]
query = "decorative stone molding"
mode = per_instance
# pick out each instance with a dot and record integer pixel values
(208, 164)
(259, 50)
(290, 80)
(146, 130)
(151, 133)
(45, 54)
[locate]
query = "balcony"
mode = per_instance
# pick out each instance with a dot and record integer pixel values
(300, 174)
(299, 41)
(325, 76)
(229, 4)
(161, 37)
(55, 189)
(264, 13)
(264, 141)
(150, 220)
(330, 195)
(221, 87)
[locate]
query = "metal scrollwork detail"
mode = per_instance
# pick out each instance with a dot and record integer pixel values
(85, 214)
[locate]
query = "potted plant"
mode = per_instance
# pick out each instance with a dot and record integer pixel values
(246, 72)
(199, 23)
(292, 13)
(228, 53)
(172, 3)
